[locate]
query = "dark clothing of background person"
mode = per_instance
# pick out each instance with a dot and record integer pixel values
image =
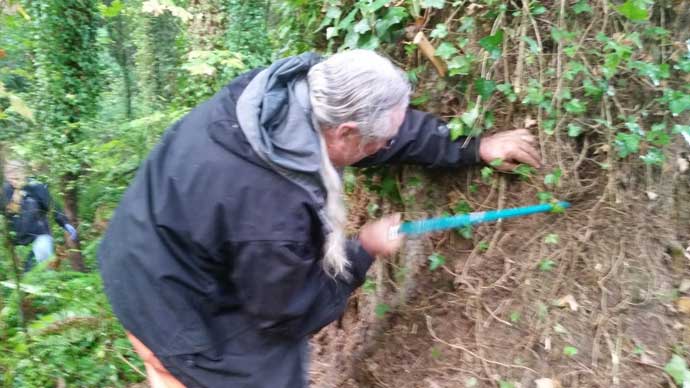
(32, 218)
(213, 257)
(30, 222)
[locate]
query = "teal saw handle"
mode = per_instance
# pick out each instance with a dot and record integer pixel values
(443, 223)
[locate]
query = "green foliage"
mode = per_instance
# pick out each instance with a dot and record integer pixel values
(569, 351)
(505, 384)
(546, 265)
(436, 260)
(492, 44)
(551, 238)
(73, 336)
(381, 309)
(248, 31)
(553, 178)
(68, 77)
(366, 24)
(677, 368)
(514, 317)
(634, 9)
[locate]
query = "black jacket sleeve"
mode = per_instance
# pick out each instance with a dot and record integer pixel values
(40, 192)
(424, 139)
(284, 289)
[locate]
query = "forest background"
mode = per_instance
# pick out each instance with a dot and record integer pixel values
(592, 297)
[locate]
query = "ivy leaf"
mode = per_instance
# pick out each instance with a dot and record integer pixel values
(466, 24)
(112, 10)
(514, 317)
(677, 368)
(436, 260)
(679, 105)
(524, 171)
(654, 156)
(489, 119)
(420, 100)
(575, 106)
(371, 42)
(462, 207)
(573, 69)
(456, 128)
(553, 178)
(485, 87)
(432, 4)
(492, 43)
(496, 162)
(393, 16)
(574, 130)
(369, 286)
(381, 309)
(468, 118)
(592, 89)
(551, 238)
(362, 26)
(486, 173)
(440, 32)
(465, 232)
(544, 197)
(460, 64)
(680, 129)
(376, 5)
(559, 35)
(549, 126)
(546, 265)
(505, 384)
(627, 143)
(658, 135)
(507, 90)
(533, 45)
(446, 50)
(683, 66)
(631, 10)
(581, 7)
(537, 9)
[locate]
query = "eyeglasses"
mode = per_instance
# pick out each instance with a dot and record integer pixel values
(390, 143)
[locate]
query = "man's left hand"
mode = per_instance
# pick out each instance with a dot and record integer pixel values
(72, 232)
(511, 147)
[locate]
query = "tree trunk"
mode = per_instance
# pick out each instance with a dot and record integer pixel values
(69, 188)
(9, 247)
(127, 78)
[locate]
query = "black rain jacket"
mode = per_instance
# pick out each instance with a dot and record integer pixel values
(211, 251)
(32, 218)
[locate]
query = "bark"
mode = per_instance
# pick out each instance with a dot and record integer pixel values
(9, 247)
(69, 188)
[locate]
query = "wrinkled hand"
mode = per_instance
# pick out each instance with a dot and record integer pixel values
(512, 147)
(72, 232)
(376, 239)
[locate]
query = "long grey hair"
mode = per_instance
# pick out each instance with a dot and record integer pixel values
(357, 86)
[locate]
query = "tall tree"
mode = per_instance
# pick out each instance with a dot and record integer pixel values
(248, 30)
(67, 90)
(121, 47)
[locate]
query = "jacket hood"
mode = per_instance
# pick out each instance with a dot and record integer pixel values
(274, 114)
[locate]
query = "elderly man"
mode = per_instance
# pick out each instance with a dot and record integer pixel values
(228, 250)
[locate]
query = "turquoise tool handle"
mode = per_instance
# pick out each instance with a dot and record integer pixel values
(441, 223)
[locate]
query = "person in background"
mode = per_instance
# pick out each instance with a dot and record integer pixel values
(229, 250)
(27, 204)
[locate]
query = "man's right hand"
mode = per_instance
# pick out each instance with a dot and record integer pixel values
(376, 239)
